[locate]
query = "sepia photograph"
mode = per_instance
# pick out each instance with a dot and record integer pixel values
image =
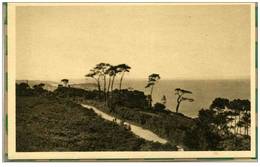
(149, 81)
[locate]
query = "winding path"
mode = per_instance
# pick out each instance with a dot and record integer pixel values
(139, 131)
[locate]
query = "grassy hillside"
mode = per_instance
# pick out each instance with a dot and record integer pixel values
(167, 125)
(53, 124)
(56, 121)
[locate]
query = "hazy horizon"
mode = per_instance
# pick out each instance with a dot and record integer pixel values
(90, 80)
(176, 41)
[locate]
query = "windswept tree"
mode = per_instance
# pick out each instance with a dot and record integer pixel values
(180, 93)
(152, 79)
(65, 82)
(95, 75)
(111, 72)
(102, 68)
(122, 68)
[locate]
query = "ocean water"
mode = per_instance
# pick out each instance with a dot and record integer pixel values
(203, 92)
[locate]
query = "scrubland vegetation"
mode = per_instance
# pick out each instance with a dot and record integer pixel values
(55, 120)
(46, 122)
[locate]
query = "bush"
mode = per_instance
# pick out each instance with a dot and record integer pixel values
(132, 99)
(65, 92)
(23, 89)
(159, 107)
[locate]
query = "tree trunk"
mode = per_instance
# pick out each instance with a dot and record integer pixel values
(104, 86)
(178, 103)
(112, 85)
(111, 89)
(177, 107)
(151, 93)
(247, 127)
(109, 84)
(107, 93)
(151, 96)
(98, 85)
(240, 123)
(121, 80)
(235, 127)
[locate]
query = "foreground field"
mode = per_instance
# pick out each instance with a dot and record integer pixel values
(53, 124)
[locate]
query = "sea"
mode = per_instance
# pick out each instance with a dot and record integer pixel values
(203, 92)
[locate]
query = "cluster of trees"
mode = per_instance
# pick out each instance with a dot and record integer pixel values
(235, 115)
(220, 126)
(65, 92)
(132, 99)
(223, 126)
(152, 80)
(24, 89)
(106, 73)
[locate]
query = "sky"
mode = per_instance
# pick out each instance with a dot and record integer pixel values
(176, 41)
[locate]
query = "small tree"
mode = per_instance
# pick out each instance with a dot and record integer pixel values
(65, 82)
(122, 68)
(180, 92)
(39, 89)
(152, 79)
(159, 107)
(111, 72)
(101, 68)
(95, 75)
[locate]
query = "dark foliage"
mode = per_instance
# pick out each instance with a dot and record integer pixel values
(165, 124)
(217, 128)
(66, 92)
(55, 124)
(132, 99)
(23, 89)
(159, 107)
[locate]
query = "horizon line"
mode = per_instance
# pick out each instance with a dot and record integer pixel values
(188, 79)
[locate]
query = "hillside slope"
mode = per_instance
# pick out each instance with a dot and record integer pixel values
(52, 124)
